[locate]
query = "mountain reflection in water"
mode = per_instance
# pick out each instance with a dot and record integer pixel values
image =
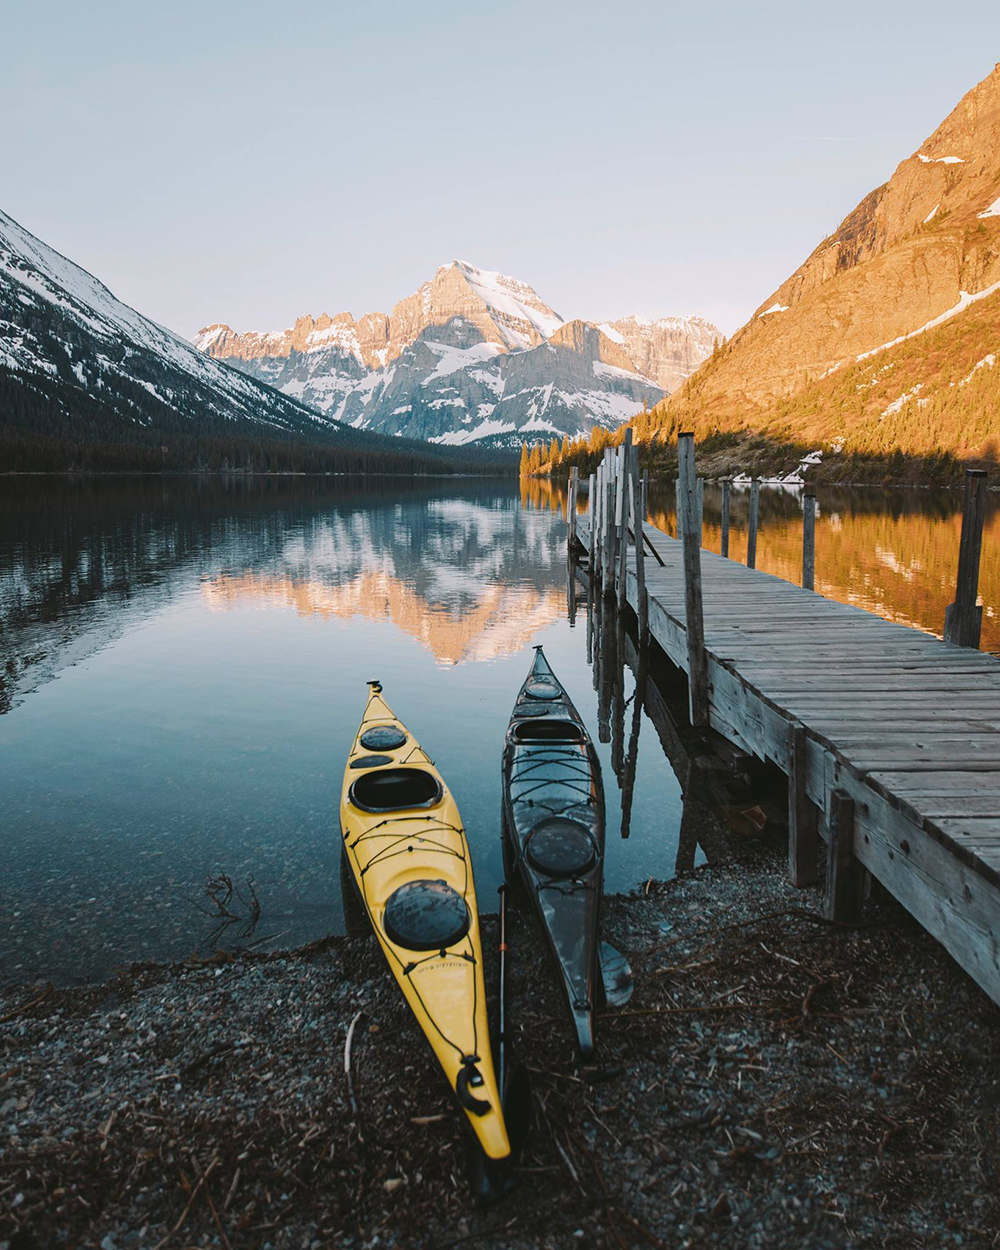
(183, 670)
(182, 667)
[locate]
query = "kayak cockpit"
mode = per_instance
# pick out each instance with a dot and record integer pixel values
(395, 790)
(552, 730)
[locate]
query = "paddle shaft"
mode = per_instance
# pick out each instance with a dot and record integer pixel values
(503, 990)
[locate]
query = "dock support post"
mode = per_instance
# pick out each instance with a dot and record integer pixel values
(963, 620)
(754, 521)
(595, 525)
(724, 540)
(645, 497)
(608, 571)
(845, 876)
(574, 482)
(687, 498)
(591, 518)
(638, 521)
(624, 465)
(803, 833)
(809, 540)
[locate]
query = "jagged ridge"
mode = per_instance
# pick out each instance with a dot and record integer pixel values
(472, 356)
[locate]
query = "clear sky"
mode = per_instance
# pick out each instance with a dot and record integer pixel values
(250, 162)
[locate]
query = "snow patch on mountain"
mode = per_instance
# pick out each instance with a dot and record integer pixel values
(992, 211)
(513, 301)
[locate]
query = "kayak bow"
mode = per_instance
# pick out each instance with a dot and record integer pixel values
(553, 808)
(409, 856)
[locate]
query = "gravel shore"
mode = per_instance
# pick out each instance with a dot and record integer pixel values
(774, 1081)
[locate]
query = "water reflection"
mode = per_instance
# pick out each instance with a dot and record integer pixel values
(891, 551)
(183, 665)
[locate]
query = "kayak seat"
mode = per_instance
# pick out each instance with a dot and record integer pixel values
(425, 916)
(543, 688)
(561, 848)
(383, 738)
(395, 789)
(371, 761)
(547, 731)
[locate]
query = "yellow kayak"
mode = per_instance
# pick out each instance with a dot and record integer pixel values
(407, 850)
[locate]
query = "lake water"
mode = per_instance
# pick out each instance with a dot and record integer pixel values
(184, 666)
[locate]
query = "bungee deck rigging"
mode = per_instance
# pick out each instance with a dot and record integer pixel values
(553, 820)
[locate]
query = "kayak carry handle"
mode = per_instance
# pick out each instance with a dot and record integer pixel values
(469, 1075)
(376, 686)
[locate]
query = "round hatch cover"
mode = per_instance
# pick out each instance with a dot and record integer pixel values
(542, 688)
(383, 738)
(561, 848)
(425, 916)
(371, 761)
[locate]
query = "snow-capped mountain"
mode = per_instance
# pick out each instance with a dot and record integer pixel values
(472, 356)
(87, 382)
(66, 339)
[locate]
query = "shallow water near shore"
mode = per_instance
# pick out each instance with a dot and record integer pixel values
(184, 664)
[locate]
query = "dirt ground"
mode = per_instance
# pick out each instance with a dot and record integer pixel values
(774, 1081)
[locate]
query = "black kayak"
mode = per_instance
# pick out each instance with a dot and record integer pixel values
(553, 816)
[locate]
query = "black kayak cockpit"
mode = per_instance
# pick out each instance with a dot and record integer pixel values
(561, 848)
(426, 916)
(530, 731)
(395, 789)
(383, 738)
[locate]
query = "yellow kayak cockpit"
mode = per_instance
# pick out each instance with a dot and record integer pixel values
(408, 853)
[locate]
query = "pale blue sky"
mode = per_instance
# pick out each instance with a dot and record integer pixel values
(250, 162)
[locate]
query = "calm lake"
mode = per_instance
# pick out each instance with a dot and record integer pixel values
(184, 662)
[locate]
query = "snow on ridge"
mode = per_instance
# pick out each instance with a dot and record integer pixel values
(451, 359)
(987, 362)
(511, 299)
(609, 331)
(940, 160)
(964, 300)
(52, 277)
(992, 211)
(897, 404)
(204, 339)
(775, 308)
(457, 438)
(603, 370)
(932, 214)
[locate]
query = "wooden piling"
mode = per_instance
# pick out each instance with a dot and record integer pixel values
(624, 466)
(754, 521)
(644, 506)
(963, 619)
(591, 517)
(638, 521)
(574, 482)
(608, 578)
(724, 542)
(803, 831)
(687, 498)
(845, 876)
(809, 540)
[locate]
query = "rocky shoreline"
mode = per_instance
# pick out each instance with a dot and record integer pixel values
(774, 1080)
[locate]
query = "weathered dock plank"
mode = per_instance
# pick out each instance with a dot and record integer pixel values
(877, 723)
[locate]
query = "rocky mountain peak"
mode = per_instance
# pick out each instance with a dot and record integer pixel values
(912, 256)
(472, 354)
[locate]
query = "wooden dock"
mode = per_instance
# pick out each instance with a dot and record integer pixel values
(890, 737)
